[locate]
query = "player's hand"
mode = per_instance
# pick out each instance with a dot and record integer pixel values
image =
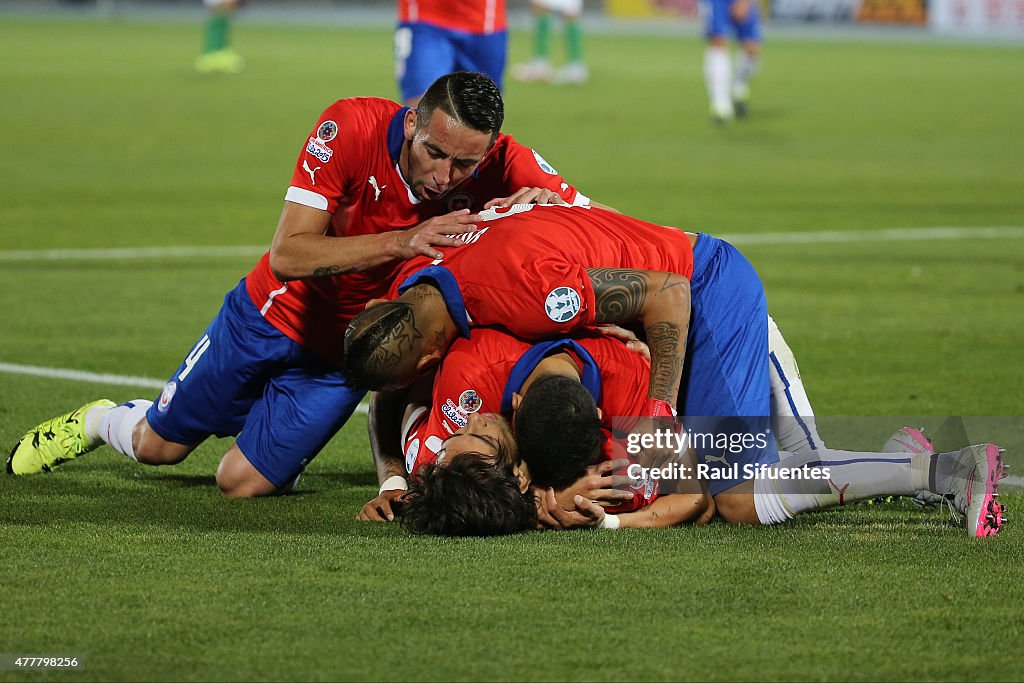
(599, 485)
(658, 447)
(584, 514)
(434, 232)
(627, 337)
(527, 195)
(381, 508)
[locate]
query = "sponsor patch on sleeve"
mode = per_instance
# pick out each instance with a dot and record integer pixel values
(319, 149)
(544, 165)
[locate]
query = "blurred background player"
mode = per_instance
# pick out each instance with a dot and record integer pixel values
(217, 54)
(539, 68)
(436, 37)
(729, 84)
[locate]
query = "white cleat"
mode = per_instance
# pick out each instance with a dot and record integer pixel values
(974, 489)
(574, 73)
(534, 70)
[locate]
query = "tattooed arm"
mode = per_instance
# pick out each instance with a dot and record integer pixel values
(661, 301)
(389, 410)
(301, 249)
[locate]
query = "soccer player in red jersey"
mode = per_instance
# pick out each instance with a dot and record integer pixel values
(374, 184)
(435, 37)
(543, 272)
(485, 375)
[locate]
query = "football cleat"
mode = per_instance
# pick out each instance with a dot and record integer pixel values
(722, 114)
(230, 62)
(225, 61)
(54, 442)
(534, 70)
(207, 63)
(913, 441)
(574, 73)
(741, 100)
(974, 489)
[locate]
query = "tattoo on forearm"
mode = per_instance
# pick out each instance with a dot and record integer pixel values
(328, 271)
(619, 293)
(668, 346)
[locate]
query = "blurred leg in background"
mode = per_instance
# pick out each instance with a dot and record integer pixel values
(217, 55)
(539, 68)
(728, 84)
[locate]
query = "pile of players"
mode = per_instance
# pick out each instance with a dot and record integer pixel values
(517, 336)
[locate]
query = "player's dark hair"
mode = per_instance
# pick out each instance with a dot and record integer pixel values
(468, 496)
(558, 431)
(471, 98)
(371, 345)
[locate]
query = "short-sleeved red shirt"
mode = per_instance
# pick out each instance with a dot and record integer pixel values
(348, 166)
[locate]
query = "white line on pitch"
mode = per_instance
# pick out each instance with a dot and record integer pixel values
(890, 235)
(768, 238)
(99, 378)
(126, 253)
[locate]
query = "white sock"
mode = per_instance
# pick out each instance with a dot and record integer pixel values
(717, 77)
(792, 415)
(853, 477)
(92, 422)
(745, 68)
(117, 424)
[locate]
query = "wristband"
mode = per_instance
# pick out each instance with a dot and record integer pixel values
(654, 407)
(609, 522)
(395, 483)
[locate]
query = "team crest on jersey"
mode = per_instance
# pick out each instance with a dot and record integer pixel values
(562, 304)
(327, 131)
(166, 396)
(317, 148)
(410, 455)
(470, 401)
(544, 165)
(459, 201)
(454, 413)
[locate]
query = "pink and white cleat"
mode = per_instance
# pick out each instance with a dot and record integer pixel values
(974, 489)
(913, 441)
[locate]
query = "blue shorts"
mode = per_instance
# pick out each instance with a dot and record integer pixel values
(246, 378)
(725, 388)
(720, 20)
(424, 53)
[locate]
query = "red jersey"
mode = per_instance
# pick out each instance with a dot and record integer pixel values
(348, 166)
(480, 374)
(469, 16)
(524, 269)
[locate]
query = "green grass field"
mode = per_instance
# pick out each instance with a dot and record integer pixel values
(108, 139)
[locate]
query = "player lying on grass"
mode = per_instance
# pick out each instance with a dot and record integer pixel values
(482, 488)
(564, 433)
(374, 184)
(479, 376)
(546, 271)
